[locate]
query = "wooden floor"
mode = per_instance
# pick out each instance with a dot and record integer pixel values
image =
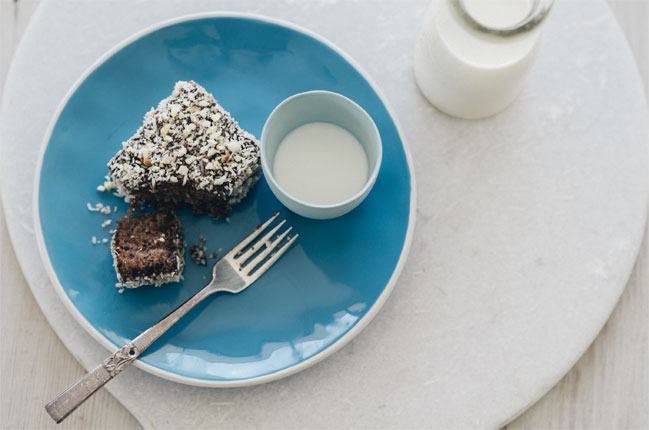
(607, 389)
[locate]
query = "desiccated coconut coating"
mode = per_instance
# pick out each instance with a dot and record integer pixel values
(188, 150)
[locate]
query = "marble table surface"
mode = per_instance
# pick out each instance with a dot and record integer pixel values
(492, 309)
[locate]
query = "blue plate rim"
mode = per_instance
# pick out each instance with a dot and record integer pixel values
(171, 376)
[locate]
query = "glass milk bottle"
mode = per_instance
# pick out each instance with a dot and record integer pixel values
(472, 56)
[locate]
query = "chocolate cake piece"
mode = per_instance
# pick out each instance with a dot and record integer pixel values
(148, 249)
(189, 150)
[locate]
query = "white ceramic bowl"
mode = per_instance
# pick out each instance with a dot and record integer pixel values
(320, 106)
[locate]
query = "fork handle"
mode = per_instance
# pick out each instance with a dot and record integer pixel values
(69, 400)
(66, 402)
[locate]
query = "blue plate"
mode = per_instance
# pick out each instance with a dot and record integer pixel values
(315, 299)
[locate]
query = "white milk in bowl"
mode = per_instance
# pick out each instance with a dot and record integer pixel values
(321, 163)
(470, 71)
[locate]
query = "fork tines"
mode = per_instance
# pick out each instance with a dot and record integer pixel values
(252, 268)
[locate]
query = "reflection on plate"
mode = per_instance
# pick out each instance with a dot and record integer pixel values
(314, 300)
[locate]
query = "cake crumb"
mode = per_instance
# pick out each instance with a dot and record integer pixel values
(104, 240)
(198, 251)
(106, 210)
(94, 240)
(108, 185)
(105, 223)
(95, 208)
(213, 255)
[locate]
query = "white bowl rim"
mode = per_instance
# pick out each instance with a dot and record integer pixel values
(371, 178)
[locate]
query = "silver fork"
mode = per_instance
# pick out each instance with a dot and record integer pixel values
(233, 273)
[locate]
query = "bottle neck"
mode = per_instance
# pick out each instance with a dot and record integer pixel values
(539, 10)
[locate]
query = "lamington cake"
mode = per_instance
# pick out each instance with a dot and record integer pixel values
(189, 150)
(148, 249)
